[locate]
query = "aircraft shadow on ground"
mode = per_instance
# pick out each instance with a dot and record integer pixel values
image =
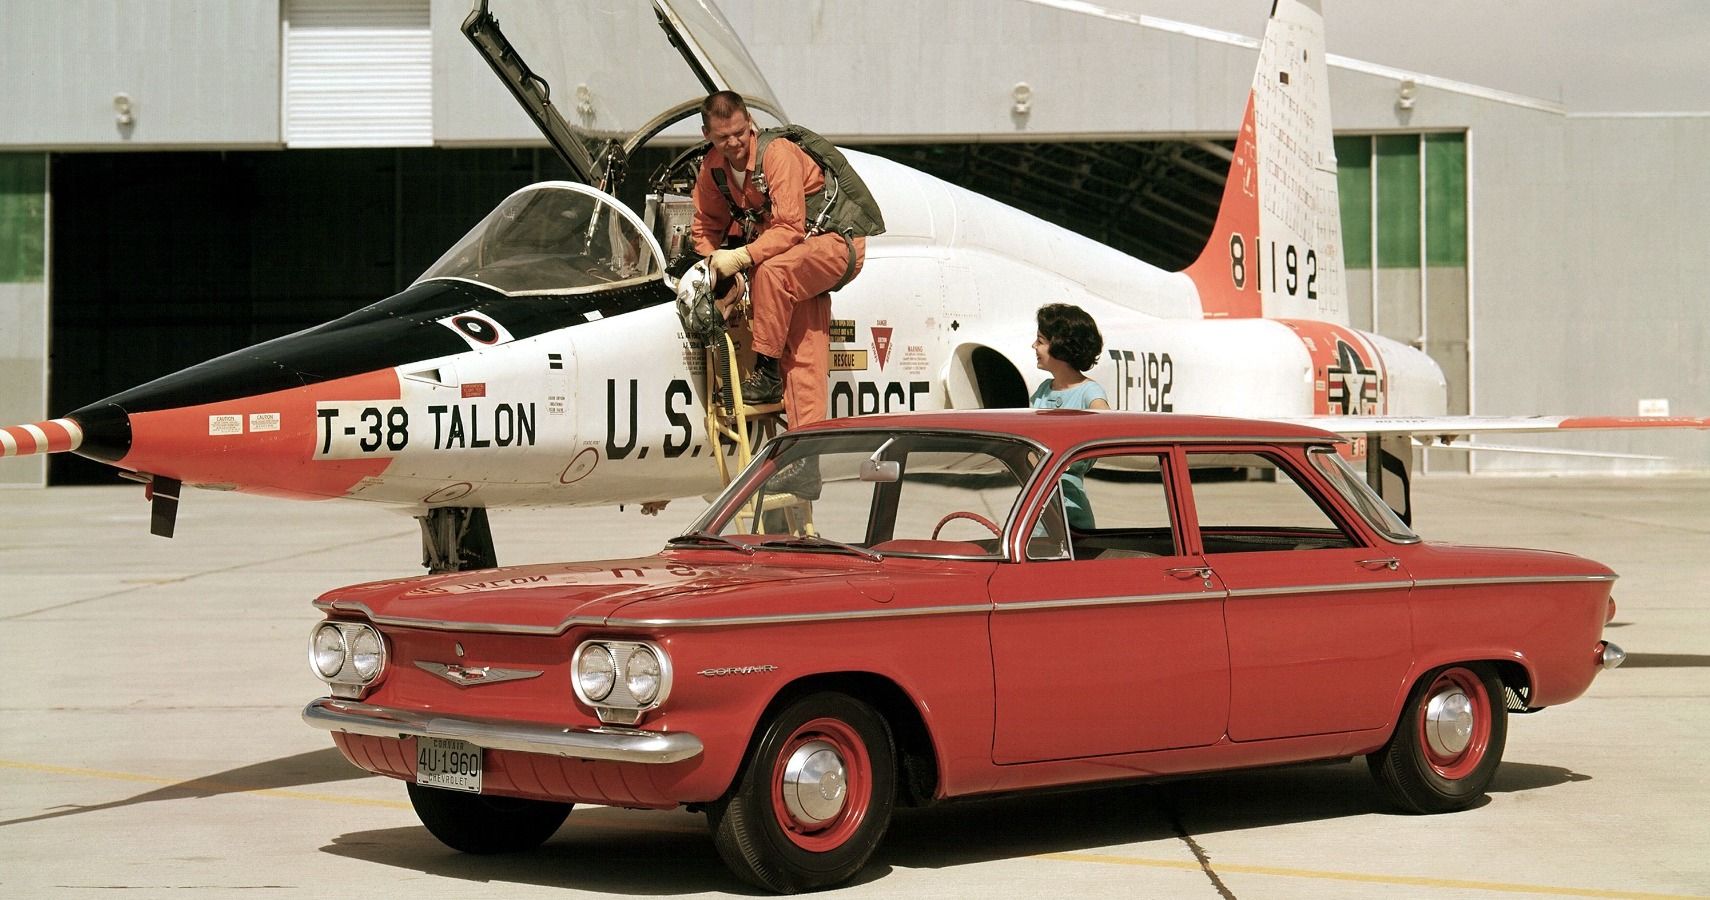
(302, 770)
(638, 853)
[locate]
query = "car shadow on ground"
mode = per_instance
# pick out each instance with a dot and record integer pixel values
(304, 769)
(1666, 661)
(650, 852)
(612, 851)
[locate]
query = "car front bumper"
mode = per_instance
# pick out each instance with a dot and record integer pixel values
(612, 744)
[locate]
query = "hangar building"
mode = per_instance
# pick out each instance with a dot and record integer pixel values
(1524, 186)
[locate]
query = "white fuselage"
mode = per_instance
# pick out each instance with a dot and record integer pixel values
(948, 293)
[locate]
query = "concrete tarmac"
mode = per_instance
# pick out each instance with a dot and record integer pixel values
(150, 743)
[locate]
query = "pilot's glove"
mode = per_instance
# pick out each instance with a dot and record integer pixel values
(726, 263)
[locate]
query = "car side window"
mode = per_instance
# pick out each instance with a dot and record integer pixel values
(1117, 506)
(1250, 502)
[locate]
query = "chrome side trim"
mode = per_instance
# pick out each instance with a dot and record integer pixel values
(790, 618)
(613, 744)
(596, 622)
(1400, 585)
(1514, 579)
(1126, 600)
(350, 606)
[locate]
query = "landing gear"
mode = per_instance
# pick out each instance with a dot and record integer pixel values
(456, 539)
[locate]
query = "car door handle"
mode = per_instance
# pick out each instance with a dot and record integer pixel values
(1186, 572)
(1387, 562)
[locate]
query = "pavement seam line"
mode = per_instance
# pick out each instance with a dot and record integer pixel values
(192, 576)
(1193, 845)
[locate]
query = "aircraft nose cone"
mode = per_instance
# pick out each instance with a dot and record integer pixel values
(106, 431)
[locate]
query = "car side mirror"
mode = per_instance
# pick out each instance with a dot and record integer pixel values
(882, 471)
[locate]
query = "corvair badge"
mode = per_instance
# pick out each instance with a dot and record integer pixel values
(469, 676)
(736, 670)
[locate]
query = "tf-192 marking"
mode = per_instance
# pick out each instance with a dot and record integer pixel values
(1156, 378)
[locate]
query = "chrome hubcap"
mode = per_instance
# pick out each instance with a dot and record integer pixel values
(1449, 722)
(815, 783)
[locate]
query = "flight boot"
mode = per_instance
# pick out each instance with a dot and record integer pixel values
(762, 386)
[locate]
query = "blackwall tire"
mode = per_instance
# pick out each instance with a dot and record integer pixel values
(1447, 743)
(814, 798)
(483, 824)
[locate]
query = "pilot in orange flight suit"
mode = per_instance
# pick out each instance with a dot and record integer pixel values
(793, 273)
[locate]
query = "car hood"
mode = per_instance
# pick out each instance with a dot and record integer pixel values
(551, 598)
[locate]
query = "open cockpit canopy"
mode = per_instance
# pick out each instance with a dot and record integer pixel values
(602, 77)
(553, 238)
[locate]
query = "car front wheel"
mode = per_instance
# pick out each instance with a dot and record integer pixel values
(814, 799)
(1447, 743)
(480, 823)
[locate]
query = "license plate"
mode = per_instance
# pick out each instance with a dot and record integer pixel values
(449, 764)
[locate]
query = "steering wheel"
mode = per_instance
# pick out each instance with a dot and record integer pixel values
(990, 526)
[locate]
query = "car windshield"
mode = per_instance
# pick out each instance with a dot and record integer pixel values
(1361, 497)
(553, 238)
(865, 492)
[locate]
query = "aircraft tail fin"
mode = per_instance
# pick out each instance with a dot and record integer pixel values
(1276, 250)
(52, 436)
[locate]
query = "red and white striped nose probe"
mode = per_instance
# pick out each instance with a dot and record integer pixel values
(52, 436)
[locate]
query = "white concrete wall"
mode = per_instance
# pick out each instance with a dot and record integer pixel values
(199, 74)
(23, 372)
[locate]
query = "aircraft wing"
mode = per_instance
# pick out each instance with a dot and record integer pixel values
(1446, 429)
(1388, 439)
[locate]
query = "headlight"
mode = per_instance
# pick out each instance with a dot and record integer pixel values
(367, 654)
(596, 673)
(642, 675)
(327, 651)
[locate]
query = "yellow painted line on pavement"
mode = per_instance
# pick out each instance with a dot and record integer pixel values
(1409, 880)
(203, 783)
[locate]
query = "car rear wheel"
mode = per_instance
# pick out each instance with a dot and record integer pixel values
(814, 798)
(1448, 742)
(481, 823)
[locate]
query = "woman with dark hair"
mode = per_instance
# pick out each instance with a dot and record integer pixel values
(1067, 345)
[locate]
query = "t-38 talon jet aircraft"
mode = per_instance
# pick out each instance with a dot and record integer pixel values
(541, 361)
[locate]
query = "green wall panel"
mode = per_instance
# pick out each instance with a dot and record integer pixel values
(23, 216)
(1446, 199)
(1354, 186)
(1397, 207)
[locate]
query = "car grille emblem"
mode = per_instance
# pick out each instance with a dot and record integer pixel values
(470, 676)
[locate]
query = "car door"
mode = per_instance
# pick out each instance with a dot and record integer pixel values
(1107, 637)
(1318, 620)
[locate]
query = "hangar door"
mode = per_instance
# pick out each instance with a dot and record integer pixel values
(358, 73)
(1404, 236)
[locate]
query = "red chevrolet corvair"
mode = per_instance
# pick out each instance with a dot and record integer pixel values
(906, 609)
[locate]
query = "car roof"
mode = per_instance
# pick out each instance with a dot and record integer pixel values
(1060, 429)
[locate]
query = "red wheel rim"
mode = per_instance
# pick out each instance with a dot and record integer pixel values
(1456, 695)
(814, 740)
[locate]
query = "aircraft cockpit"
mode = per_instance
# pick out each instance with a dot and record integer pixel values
(553, 238)
(626, 85)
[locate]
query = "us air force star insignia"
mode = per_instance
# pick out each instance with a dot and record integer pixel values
(1352, 384)
(476, 675)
